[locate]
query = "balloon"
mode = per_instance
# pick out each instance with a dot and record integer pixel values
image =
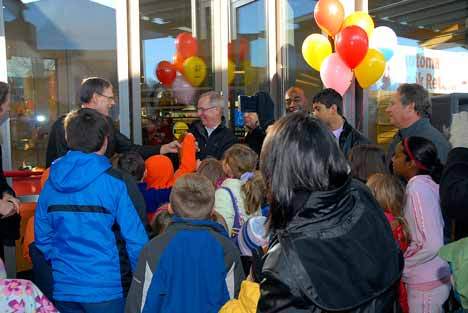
(238, 48)
(351, 44)
(336, 74)
(385, 40)
(195, 70)
(178, 61)
(166, 73)
(315, 49)
(186, 45)
(231, 70)
(329, 16)
(361, 19)
(370, 69)
(250, 74)
(183, 91)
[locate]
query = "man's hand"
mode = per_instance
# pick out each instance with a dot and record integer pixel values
(9, 205)
(171, 147)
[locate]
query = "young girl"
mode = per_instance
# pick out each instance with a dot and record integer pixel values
(241, 193)
(390, 194)
(427, 276)
(366, 160)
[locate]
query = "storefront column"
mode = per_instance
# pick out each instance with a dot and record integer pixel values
(135, 72)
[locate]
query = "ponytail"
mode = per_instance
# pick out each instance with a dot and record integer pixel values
(254, 190)
(424, 155)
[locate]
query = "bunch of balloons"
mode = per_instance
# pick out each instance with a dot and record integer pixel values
(238, 53)
(186, 71)
(358, 47)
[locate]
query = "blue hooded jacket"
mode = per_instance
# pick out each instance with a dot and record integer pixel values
(83, 212)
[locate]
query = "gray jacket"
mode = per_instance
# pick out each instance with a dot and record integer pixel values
(421, 128)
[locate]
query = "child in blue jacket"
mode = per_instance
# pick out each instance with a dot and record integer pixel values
(193, 266)
(86, 223)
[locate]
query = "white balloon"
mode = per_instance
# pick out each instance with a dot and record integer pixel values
(385, 40)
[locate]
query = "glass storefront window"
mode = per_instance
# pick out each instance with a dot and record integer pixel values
(164, 107)
(432, 51)
(297, 20)
(50, 48)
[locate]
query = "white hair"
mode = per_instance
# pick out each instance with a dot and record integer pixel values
(214, 98)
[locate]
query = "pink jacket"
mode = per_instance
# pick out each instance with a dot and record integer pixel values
(425, 222)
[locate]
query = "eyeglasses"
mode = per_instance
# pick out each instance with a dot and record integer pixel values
(111, 98)
(203, 110)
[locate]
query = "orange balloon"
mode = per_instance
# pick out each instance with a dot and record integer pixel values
(329, 15)
(178, 61)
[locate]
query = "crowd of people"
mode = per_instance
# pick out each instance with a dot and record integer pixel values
(304, 216)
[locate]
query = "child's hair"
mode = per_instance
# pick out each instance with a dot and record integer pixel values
(389, 192)
(86, 130)
(254, 190)
(192, 196)
(160, 222)
(242, 161)
(133, 164)
(212, 169)
(367, 160)
(424, 155)
(218, 218)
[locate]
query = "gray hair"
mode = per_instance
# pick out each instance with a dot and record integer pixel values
(214, 98)
(417, 94)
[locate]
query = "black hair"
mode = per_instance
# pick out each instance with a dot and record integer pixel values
(132, 163)
(86, 130)
(90, 86)
(329, 97)
(424, 153)
(417, 94)
(4, 91)
(299, 155)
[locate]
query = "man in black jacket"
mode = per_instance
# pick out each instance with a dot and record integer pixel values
(328, 107)
(255, 135)
(97, 93)
(212, 136)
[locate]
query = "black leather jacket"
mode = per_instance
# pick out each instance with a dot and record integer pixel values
(337, 254)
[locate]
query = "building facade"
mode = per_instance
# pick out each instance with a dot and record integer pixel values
(243, 47)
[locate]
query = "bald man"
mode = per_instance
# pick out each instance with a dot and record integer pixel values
(295, 100)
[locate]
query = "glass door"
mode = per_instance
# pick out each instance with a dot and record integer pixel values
(248, 55)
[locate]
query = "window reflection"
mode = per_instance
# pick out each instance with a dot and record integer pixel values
(432, 51)
(166, 106)
(50, 49)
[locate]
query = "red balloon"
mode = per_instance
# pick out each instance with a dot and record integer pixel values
(186, 45)
(238, 49)
(178, 62)
(351, 43)
(166, 73)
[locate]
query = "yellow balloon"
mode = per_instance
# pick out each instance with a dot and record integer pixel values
(231, 70)
(195, 70)
(249, 73)
(315, 49)
(361, 19)
(370, 69)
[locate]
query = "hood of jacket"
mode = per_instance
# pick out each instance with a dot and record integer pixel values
(340, 248)
(159, 172)
(76, 170)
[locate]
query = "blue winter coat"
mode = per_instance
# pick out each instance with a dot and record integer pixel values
(192, 267)
(83, 216)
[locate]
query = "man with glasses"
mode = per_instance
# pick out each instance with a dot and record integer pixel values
(212, 135)
(295, 100)
(97, 93)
